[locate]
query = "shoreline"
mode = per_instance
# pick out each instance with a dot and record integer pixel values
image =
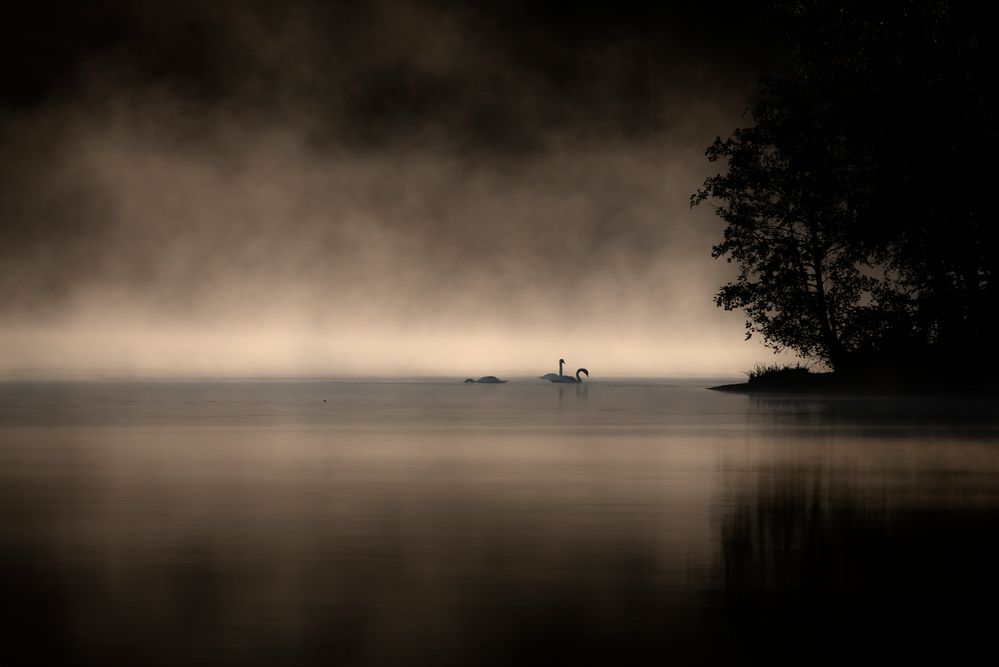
(829, 384)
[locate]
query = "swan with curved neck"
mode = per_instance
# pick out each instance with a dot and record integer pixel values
(553, 377)
(573, 380)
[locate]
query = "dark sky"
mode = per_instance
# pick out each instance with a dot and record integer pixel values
(390, 68)
(325, 169)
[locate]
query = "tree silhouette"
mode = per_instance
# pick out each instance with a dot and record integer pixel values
(856, 205)
(803, 281)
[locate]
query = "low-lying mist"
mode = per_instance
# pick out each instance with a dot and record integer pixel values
(149, 231)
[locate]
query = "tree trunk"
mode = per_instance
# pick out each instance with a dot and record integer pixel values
(824, 314)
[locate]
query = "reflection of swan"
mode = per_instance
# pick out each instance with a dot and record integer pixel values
(573, 380)
(487, 379)
(554, 377)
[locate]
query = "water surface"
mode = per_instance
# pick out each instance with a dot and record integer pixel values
(308, 522)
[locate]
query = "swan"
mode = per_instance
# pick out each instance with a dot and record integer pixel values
(487, 379)
(573, 380)
(554, 377)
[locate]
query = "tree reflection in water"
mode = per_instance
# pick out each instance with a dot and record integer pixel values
(811, 567)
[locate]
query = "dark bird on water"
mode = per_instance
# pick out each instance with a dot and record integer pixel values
(554, 377)
(572, 380)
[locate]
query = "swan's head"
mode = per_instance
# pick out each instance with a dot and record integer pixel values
(469, 380)
(561, 361)
(583, 370)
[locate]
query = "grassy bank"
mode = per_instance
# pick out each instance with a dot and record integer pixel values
(773, 379)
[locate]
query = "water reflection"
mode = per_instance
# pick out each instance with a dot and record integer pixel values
(872, 412)
(569, 394)
(435, 524)
(835, 557)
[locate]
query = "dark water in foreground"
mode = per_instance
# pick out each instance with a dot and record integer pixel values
(250, 523)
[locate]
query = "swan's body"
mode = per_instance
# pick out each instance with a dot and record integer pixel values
(487, 379)
(568, 379)
(554, 377)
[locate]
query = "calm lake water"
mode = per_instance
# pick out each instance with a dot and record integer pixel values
(434, 522)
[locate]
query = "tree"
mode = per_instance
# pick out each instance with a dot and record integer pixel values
(855, 205)
(803, 283)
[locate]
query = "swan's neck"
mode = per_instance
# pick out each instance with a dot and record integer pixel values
(560, 364)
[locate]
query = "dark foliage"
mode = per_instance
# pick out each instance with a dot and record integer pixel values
(858, 205)
(764, 373)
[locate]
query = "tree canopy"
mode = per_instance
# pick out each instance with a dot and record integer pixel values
(858, 205)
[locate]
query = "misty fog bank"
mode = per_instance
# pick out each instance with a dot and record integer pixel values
(436, 204)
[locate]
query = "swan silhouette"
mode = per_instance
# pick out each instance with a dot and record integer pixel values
(573, 380)
(487, 379)
(554, 377)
